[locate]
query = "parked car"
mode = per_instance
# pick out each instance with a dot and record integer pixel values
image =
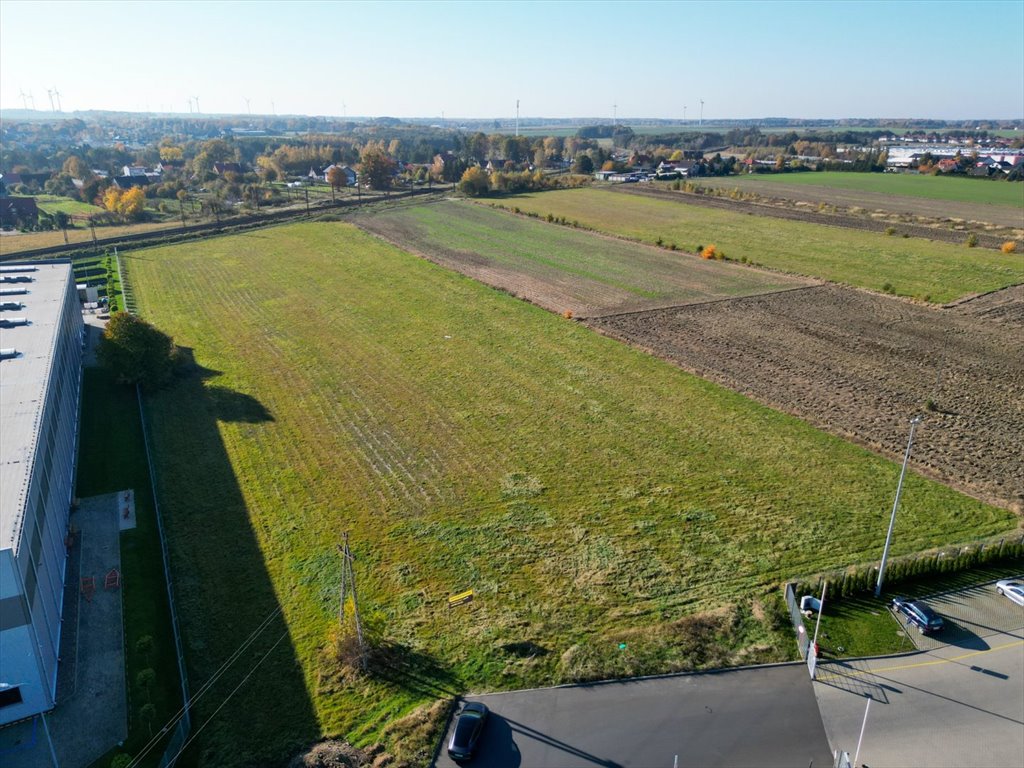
(469, 725)
(919, 614)
(1012, 589)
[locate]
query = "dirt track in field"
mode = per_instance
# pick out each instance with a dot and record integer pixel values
(911, 225)
(859, 365)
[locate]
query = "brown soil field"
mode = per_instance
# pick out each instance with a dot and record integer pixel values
(880, 220)
(859, 365)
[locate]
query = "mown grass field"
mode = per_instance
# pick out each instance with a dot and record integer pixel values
(53, 203)
(589, 493)
(909, 185)
(910, 267)
(562, 268)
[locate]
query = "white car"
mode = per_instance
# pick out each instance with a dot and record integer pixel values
(1012, 589)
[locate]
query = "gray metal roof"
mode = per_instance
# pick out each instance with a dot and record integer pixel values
(24, 379)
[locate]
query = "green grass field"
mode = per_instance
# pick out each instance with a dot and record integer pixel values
(53, 203)
(907, 185)
(912, 267)
(581, 272)
(590, 494)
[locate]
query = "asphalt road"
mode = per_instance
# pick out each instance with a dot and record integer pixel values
(762, 716)
(958, 703)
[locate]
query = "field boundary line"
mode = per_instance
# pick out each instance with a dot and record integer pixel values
(705, 303)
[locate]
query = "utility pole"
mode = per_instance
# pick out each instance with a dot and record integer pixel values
(306, 190)
(895, 505)
(348, 582)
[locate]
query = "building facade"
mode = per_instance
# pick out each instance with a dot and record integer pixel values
(41, 335)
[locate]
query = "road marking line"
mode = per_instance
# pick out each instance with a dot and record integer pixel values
(853, 672)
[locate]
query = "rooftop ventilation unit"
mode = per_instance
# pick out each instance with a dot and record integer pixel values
(16, 279)
(10, 322)
(13, 269)
(7, 306)
(8, 353)
(13, 291)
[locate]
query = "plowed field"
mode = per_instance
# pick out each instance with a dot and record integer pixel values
(859, 365)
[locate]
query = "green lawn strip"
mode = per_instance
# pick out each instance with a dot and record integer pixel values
(863, 625)
(910, 266)
(53, 203)
(590, 494)
(112, 458)
(537, 248)
(984, 191)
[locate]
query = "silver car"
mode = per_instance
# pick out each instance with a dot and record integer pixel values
(1012, 589)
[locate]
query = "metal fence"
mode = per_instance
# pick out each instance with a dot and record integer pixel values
(803, 641)
(184, 725)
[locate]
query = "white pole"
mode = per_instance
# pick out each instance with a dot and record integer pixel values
(856, 757)
(817, 624)
(895, 505)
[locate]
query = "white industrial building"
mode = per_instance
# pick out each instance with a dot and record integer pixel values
(41, 334)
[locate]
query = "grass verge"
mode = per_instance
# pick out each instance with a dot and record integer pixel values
(864, 626)
(112, 458)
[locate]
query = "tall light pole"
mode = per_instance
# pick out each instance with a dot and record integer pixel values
(899, 490)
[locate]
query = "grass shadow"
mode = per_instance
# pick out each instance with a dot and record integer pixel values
(257, 710)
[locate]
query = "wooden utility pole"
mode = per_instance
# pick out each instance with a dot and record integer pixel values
(348, 583)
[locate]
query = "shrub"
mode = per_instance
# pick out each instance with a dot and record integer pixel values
(890, 231)
(699, 249)
(1008, 247)
(888, 288)
(709, 252)
(972, 240)
(659, 242)
(567, 314)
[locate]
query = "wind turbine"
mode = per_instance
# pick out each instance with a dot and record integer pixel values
(197, 104)
(344, 110)
(684, 113)
(701, 112)
(24, 98)
(33, 100)
(615, 114)
(50, 94)
(57, 94)
(273, 110)
(247, 107)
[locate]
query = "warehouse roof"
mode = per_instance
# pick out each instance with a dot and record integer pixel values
(33, 297)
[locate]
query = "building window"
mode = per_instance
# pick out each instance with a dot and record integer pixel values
(9, 696)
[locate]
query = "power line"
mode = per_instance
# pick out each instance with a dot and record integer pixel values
(228, 697)
(205, 687)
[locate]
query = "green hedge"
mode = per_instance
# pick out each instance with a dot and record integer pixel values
(858, 580)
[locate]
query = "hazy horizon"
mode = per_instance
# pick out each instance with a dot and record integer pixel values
(471, 61)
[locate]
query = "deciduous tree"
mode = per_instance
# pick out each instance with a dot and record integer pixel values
(136, 352)
(377, 168)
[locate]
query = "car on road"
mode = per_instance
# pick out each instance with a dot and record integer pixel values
(469, 725)
(1011, 589)
(919, 614)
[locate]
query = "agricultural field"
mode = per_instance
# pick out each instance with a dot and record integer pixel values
(998, 204)
(53, 203)
(15, 242)
(911, 267)
(561, 268)
(613, 514)
(951, 188)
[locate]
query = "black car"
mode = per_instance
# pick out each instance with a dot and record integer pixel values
(919, 614)
(468, 726)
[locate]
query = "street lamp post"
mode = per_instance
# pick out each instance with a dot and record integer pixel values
(892, 520)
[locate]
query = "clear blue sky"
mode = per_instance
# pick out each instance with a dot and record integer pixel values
(946, 60)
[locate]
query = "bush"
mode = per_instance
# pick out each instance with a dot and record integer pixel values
(972, 240)
(890, 231)
(1008, 247)
(888, 288)
(709, 252)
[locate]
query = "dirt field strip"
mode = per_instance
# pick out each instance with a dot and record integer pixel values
(859, 365)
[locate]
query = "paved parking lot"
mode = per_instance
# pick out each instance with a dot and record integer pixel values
(764, 716)
(958, 703)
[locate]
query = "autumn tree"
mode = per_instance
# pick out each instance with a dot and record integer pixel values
(376, 167)
(76, 168)
(128, 203)
(474, 182)
(584, 164)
